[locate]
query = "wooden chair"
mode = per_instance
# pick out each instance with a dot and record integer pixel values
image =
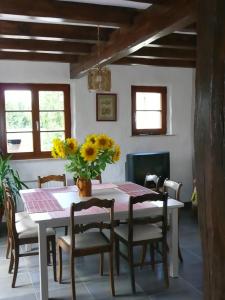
(18, 217)
(141, 232)
(42, 181)
(152, 181)
(51, 178)
(98, 179)
(173, 189)
(23, 232)
(80, 242)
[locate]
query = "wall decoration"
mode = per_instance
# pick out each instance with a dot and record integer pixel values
(106, 107)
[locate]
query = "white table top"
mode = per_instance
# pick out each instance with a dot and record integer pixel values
(68, 195)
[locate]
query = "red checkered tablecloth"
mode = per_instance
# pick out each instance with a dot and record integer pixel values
(40, 201)
(133, 189)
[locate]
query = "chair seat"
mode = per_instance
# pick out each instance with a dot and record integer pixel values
(21, 215)
(87, 240)
(27, 228)
(140, 232)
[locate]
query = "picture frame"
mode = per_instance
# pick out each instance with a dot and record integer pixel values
(106, 107)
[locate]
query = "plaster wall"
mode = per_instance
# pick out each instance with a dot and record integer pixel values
(83, 106)
(178, 141)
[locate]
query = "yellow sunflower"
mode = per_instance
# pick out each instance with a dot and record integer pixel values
(89, 151)
(54, 153)
(111, 142)
(72, 145)
(58, 147)
(91, 138)
(102, 141)
(117, 152)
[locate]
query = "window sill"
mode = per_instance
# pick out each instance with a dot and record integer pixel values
(153, 135)
(37, 159)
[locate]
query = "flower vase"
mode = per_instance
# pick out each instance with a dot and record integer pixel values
(84, 187)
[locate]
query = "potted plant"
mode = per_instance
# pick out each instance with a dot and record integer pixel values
(86, 161)
(12, 178)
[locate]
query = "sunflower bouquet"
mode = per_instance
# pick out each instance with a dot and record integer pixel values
(87, 160)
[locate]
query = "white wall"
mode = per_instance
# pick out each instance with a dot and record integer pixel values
(180, 97)
(83, 104)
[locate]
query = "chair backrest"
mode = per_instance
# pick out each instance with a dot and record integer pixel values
(159, 217)
(172, 188)
(79, 228)
(152, 181)
(10, 212)
(44, 181)
(98, 179)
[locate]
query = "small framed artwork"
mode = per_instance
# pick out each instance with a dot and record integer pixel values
(106, 107)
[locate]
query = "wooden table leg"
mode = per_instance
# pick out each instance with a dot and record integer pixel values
(43, 266)
(174, 243)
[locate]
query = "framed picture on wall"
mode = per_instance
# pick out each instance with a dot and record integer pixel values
(106, 107)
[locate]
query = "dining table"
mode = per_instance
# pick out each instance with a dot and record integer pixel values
(50, 207)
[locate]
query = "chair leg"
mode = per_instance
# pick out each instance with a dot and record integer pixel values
(101, 267)
(11, 263)
(72, 272)
(48, 252)
(143, 255)
(8, 248)
(179, 253)
(165, 264)
(131, 263)
(117, 255)
(66, 230)
(59, 273)
(152, 255)
(111, 272)
(54, 257)
(16, 264)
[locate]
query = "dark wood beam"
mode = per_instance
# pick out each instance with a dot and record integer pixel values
(153, 23)
(155, 62)
(209, 143)
(145, 1)
(66, 47)
(70, 12)
(176, 40)
(192, 29)
(66, 58)
(65, 32)
(165, 53)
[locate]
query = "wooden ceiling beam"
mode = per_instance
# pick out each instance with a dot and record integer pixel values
(156, 62)
(191, 29)
(165, 53)
(65, 32)
(65, 58)
(144, 1)
(153, 23)
(69, 11)
(176, 40)
(66, 47)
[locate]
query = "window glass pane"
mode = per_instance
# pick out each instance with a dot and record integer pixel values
(17, 100)
(51, 100)
(18, 121)
(148, 101)
(148, 120)
(19, 142)
(47, 137)
(52, 121)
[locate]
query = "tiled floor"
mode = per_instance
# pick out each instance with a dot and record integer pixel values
(90, 286)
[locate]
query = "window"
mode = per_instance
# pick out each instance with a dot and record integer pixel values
(149, 110)
(31, 115)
